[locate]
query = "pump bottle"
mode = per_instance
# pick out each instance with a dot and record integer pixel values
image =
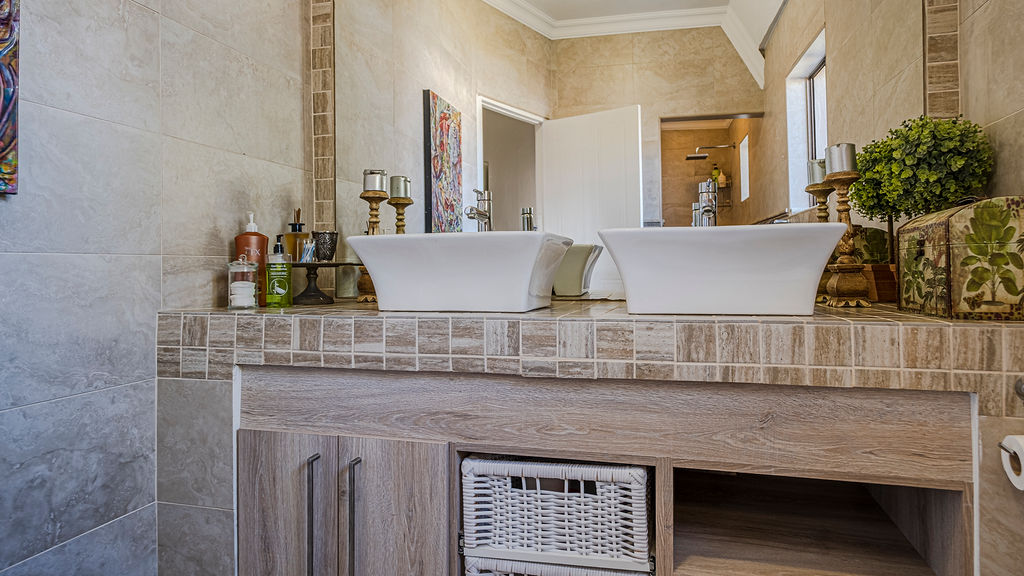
(252, 246)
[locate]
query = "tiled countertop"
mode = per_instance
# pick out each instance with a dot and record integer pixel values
(876, 347)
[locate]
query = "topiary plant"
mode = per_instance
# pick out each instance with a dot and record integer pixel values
(925, 165)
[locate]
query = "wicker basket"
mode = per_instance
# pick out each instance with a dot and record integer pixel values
(494, 567)
(572, 514)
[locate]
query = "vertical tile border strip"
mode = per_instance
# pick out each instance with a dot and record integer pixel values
(321, 96)
(942, 73)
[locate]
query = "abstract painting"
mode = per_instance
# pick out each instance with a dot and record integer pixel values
(9, 20)
(442, 138)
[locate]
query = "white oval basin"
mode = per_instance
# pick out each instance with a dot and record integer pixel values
(771, 269)
(485, 272)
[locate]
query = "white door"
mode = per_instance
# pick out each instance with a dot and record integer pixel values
(589, 179)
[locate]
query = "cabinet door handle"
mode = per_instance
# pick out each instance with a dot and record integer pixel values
(352, 515)
(309, 512)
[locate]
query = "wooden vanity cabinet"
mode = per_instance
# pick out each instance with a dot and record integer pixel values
(398, 524)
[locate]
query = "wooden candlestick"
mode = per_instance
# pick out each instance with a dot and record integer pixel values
(365, 284)
(848, 288)
(374, 198)
(400, 205)
(821, 191)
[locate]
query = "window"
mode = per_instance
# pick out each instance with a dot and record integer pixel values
(817, 118)
(745, 168)
(806, 122)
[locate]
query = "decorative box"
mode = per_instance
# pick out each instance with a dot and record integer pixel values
(966, 262)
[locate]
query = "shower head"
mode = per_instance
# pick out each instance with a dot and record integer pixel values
(699, 156)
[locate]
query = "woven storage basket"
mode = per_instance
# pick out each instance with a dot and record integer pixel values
(495, 567)
(573, 514)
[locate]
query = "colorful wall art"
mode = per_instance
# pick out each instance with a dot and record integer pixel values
(442, 136)
(9, 21)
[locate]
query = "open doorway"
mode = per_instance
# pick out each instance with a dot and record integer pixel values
(508, 162)
(726, 145)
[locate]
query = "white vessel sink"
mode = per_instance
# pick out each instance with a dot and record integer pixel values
(487, 272)
(748, 270)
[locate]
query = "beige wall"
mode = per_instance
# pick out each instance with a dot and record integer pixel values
(673, 73)
(873, 51)
(992, 77)
(680, 177)
(510, 151)
(740, 210)
(389, 51)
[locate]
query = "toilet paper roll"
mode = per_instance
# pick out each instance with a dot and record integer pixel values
(1012, 460)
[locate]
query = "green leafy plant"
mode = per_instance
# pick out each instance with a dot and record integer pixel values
(925, 165)
(992, 260)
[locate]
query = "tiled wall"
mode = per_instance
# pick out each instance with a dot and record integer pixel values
(680, 177)
(992, 73)
(148, 128)
(874, 55)
(673, 73)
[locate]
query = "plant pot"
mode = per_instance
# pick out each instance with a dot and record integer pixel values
(882, 285)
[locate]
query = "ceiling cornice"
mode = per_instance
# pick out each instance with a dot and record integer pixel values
(746, 46)
(725, 17)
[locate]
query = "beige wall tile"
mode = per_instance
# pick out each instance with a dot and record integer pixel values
(655, 341)
(243, 26)
(739, 343)
(783, 344)
(829, 345)
(876, 346)
(199, 79)
(337, 335)
(1006, 137)
(468, 337)
(606, 87)
(502, 338)
(835, 377)
(193, 282)
(696, 342)
(977, 348)
(926, 347)
(594, 51)
(990, 388)
(575, 339)
(786, 375)
(615, 340)
(214, 189)
(926, 380)
(434, 336)
(62, 151)
(116, 78)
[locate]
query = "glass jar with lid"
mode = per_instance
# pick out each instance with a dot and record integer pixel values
(242, 280)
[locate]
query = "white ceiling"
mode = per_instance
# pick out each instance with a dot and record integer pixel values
(745, 22)
(573, 9)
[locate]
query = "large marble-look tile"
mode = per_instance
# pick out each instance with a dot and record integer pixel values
(73, 464)
(126, 547)
(87, 186)
(1005, 85)
(99, 58)
(202, 84)
(894, 29)
(1007, 137)
(594, 51)
(195, 541)
(244, 27)
(98, 328)
(975, 45)
(207, 192)
(605, 86)
(1001, 505)
(194, 281)
(194, 442)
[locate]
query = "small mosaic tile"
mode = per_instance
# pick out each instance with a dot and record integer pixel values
(368, 335)
(926, 347)
(540, 368)
(168, 362)
(697, 372)
(783, 344)
(220, 362)
(277, 358)
(503, 366)
(221, 331)
(575, 339)
(655, 342)
(614, 340)
(502, 338)
(337, 335)
(990, 388)
(368, 361)
(337, 360)
(435, 363)
(785, 375)
(314, 359)
(876, 346)
(168, 330)
(696, 342)
(400, 335)
(249, 331)
(620, 370)
(829, 345)
(467, 337)
(194, 330)
(308, 334)
(401, 362)
(575, 369)
(539, 339)
(977, 348)
(655, 371)
(433, 336)
(193, 363)
(739, 343)
(277, 333)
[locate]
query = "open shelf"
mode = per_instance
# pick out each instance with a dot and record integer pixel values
(765, 525)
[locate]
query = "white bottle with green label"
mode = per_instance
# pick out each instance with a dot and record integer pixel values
(279, 277)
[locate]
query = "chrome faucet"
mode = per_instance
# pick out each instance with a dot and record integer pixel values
(482, 211)
(705, 212)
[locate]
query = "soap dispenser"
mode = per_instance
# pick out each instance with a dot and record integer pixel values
(251, 246)
(279, 277)
(294, 237)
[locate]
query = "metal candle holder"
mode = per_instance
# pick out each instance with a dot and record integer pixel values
(401, 188)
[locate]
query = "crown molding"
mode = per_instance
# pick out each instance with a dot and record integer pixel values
(746, 46)
(724, 17)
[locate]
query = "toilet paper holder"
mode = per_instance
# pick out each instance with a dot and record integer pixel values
(1004, 448)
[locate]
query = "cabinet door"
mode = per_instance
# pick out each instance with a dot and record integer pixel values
(287, 504)
(399, 523)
